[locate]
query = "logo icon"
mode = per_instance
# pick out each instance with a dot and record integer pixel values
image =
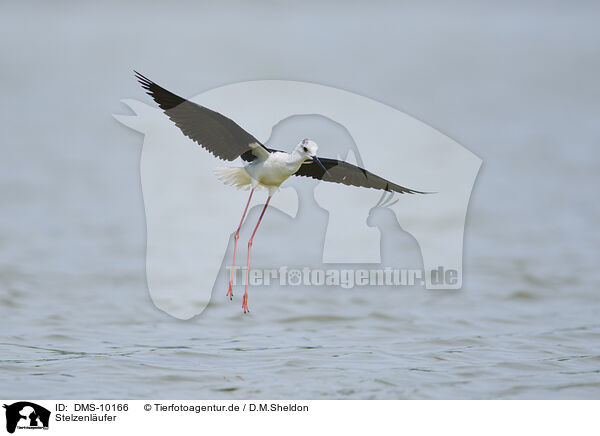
(26, 415)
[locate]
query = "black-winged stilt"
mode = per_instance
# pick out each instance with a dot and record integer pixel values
(265, 168)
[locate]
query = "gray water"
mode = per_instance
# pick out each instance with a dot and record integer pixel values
(516, 84)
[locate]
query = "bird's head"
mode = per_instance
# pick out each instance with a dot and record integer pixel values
(307, 148)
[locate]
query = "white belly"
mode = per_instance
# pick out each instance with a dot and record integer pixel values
(273, 171)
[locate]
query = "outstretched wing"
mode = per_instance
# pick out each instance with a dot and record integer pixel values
(213, 131)
(339, 171)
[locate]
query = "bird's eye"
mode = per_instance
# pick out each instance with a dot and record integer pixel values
(306, 149)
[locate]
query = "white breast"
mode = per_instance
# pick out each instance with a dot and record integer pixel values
(274, 170)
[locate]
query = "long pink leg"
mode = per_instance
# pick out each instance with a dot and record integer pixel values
(245, 300)
(236, 237)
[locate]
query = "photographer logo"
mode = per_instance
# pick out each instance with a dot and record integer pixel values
(26, 415)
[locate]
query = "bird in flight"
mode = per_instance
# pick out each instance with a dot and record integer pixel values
(264, 168)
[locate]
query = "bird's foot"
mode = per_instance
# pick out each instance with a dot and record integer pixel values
(230, 292)
(245, 303)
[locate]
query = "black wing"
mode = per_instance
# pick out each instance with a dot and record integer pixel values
(213, 131)
(348, 174)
